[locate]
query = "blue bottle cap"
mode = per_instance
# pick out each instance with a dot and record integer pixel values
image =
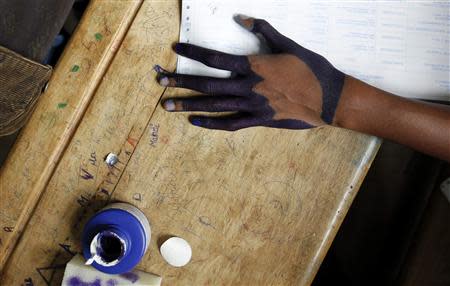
(116, 238)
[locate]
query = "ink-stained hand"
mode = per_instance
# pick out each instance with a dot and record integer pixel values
(291, 87)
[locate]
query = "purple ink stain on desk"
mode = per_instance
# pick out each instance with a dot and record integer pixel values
(76, 281)
(111, 282)
(130, 276)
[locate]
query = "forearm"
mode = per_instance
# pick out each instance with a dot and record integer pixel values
(421, 126)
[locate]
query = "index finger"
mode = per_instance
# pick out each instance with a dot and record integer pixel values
(215, 59)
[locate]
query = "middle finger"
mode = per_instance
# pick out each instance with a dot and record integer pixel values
(208, 85)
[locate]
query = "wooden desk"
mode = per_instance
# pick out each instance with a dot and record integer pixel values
(259, 206)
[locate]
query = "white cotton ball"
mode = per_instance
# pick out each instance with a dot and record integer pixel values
(176, 251)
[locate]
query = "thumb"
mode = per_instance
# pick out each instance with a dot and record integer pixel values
(261, 28)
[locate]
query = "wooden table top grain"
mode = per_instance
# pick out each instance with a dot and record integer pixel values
(259, 206)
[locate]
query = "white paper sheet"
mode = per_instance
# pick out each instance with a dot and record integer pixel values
(401, 47)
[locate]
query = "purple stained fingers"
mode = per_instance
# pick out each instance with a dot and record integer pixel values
(210, 104)
(266, 32)
(214, 59)
(208, 85)
(292, 87)
(241, 121)
(229, 123)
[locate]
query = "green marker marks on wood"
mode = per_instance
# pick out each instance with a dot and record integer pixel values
(98, 36)
(75, 68)
(62, 105)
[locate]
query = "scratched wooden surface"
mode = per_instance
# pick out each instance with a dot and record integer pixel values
(33, 159)
(258, 206)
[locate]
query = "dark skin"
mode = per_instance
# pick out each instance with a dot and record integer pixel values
(295, 88)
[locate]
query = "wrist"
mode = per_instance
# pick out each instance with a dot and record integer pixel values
(349, 105)
(363, 107)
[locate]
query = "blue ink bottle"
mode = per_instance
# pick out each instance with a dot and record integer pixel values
(116, 238)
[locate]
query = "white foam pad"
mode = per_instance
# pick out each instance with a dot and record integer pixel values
(77, 273)
(176, 251)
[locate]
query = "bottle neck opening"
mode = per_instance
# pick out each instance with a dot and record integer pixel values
(107, 248)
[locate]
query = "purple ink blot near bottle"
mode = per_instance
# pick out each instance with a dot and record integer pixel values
(116, 238)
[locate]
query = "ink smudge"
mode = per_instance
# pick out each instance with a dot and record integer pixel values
(159, 69)
(62, 105)
(76, 281)
(132, 141)
(98, 36)
(130, 276)
(111, 282)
